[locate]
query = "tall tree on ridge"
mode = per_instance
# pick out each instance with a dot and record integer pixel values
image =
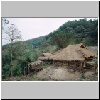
(12, 34)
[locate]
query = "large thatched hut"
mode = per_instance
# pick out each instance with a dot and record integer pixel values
(76, 55)
(76, 52)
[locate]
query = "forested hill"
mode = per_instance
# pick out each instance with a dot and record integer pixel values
(71, 32)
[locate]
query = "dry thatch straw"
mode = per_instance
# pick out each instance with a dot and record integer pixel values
(36, 63)
(44, 56)
(73, 52)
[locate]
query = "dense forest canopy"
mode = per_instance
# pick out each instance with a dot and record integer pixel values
(72, 32)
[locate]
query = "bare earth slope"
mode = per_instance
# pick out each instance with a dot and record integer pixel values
(54, 73)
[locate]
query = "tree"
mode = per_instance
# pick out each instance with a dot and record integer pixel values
(12, 34)
(4, 22)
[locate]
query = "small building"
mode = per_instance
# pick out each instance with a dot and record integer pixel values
(35, 65)
(73, 55)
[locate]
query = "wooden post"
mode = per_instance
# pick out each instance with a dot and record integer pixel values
(34, 71)
(95, 67)
(84, 66)
(53, 63)
(81, 67)
(68, 63)
(75, 65)
(24, 70)
(63, 62)
(28, 70)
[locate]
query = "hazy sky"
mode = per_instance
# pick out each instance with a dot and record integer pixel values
(35, 27)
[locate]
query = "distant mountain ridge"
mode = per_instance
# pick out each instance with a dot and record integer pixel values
(71, 32)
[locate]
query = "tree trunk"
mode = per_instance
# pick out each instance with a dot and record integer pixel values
(24, 70)
(11, 71)
(95, 68)
(12, 38)
(11, 65)
(28, 69)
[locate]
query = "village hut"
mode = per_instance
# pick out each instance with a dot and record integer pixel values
(44, 56)
(76, 55)
(35, 65)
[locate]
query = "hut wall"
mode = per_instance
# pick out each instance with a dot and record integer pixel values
(75, 65)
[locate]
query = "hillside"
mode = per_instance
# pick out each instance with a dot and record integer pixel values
(72, 32)
(36, 42)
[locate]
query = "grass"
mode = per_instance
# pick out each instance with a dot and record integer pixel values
(93, 77)
(21, 78)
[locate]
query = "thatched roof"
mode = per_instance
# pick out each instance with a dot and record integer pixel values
(73, 52)
(44, 56)
(38, 62)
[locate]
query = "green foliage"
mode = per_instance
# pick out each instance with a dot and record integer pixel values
(36, 42)
(95, 60)
(5, 71)
(46, 64)
(17, 70)
(56, 49)
(21, 57)
(71, 32)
